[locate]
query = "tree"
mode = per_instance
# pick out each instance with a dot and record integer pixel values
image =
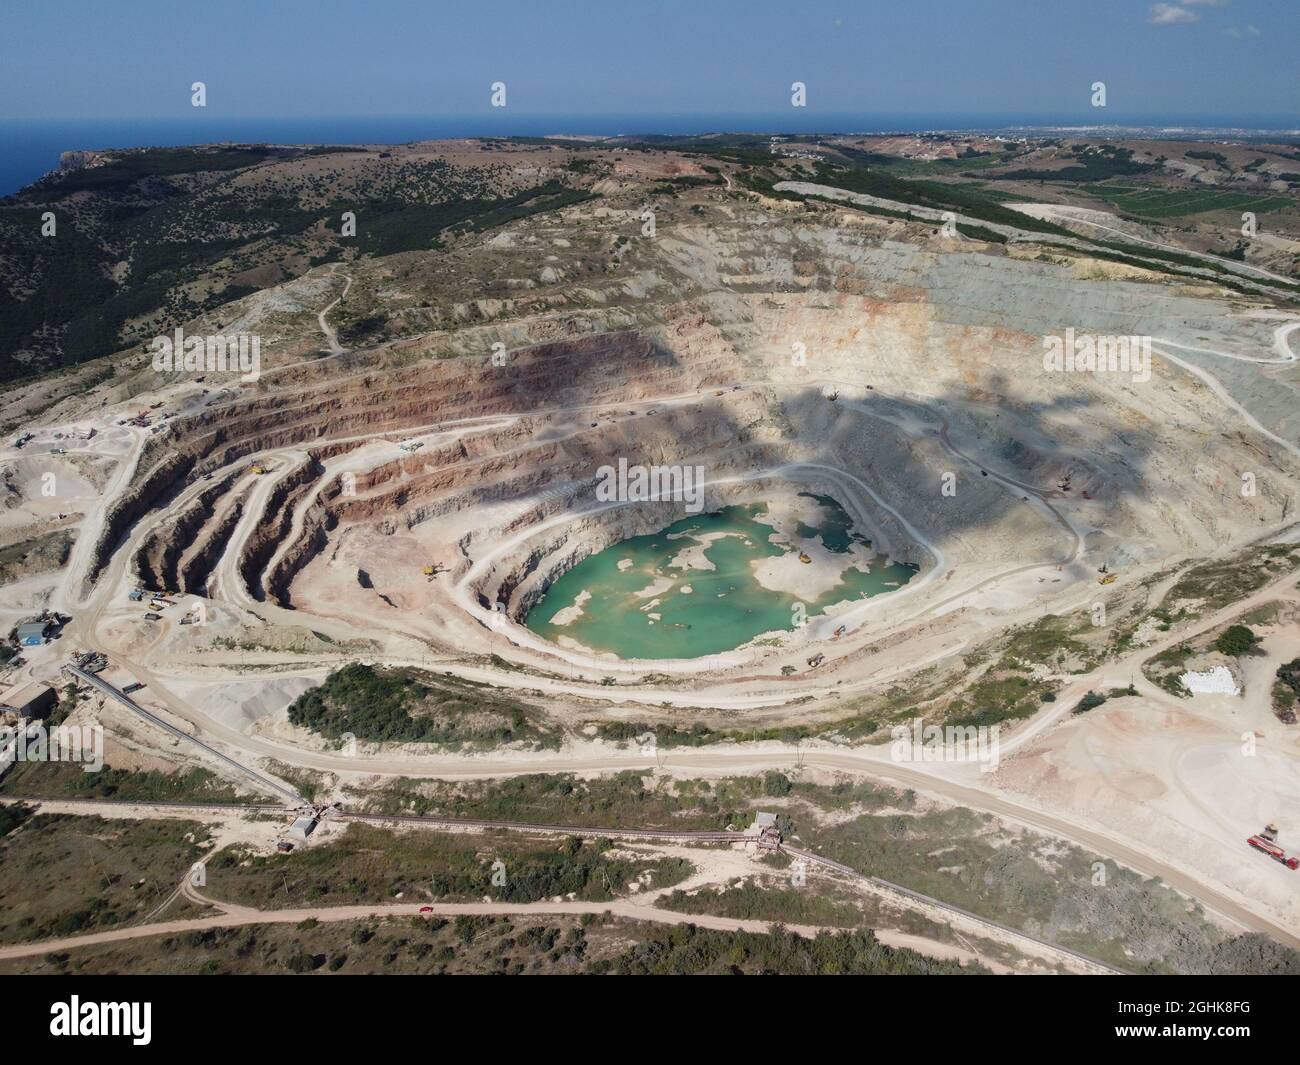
(1089, 702)
(1236, 640)
(776, 784)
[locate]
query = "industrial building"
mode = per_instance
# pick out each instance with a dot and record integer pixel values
(33, 633)
(29, 700)
(765, 830)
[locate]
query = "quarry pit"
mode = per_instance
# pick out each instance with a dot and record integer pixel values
(850, 390)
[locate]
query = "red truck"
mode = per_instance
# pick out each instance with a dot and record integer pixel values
(1274, 851)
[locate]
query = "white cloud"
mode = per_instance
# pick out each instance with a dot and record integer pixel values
(1171, 15)
(1243, 32)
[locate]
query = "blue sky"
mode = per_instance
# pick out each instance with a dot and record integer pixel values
(137, 59)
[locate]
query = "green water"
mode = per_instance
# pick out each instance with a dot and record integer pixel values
(725, 607)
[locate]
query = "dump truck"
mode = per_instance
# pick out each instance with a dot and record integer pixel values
(1108, 578)
(1274, 851)
(256, 468)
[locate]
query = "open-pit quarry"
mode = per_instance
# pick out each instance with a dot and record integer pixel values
(907, 512)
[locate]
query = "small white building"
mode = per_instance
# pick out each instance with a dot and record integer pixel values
(1218, 680)
(303, 826)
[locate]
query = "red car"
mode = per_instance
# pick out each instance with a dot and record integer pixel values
(426, 909)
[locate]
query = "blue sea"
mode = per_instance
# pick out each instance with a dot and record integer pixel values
(31, 148)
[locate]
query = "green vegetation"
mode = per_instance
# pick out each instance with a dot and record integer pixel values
(1236, 640)
(1150, 202)
(409, 706)
(125, 169)
(1286, 691)
(558, 798)
(1220, 583)
(1033, 883)
(997, 696)
(1053, 640)
(395, 226)
(34, 556)
(60, 875)
(666, 736)
(488, 945)
(1090, 701)
(12, 815)
(1090, 163)
(685, 949)
(64, 780)
(368, 864)
(972, 200)
(963, 198)
(755, 902)
(1167, 667)
(149, 239)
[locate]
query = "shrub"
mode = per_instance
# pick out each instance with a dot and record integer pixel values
(1236, 640)
(1089, 702)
